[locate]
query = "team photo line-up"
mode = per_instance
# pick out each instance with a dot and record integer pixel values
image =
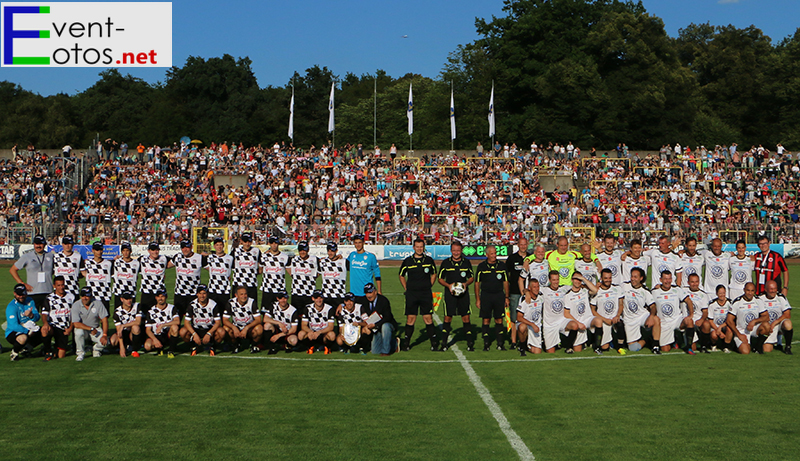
(698, 300)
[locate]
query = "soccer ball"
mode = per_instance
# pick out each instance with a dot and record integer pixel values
(458, 289)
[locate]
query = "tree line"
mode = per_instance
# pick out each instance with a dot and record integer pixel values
(593, 72)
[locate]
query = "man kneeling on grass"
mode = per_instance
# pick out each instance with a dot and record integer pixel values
(317, 324)
(161, 322)
(242, 321)
(202, 324)
(127, 323)
(89, 318)
(281, 324)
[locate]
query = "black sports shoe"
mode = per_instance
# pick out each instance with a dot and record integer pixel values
(272, 351)
(656, 351)
(787, 350)
(470, 348)
(501, 347)
(522, 352)
(705, 350)
(512, 346)
(486, 347)
(444, 347)
(235, 350)
(570, 351)
(254, 349)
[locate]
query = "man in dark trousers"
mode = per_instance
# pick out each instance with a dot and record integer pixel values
(491, 295)
(456, 269)
(514, 266)
(383, 339)
(417, 275)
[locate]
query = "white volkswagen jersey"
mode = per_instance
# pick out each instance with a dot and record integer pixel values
(588, 270)
(719, 312)
(637, 302)
(606, 301)
(531, 311)
(775, 306)
(578, 304)
(668, 302)
(553, 304)
(746, 311)
(661, 262)
(612, 262)
(643, 262)
(536, 270)
(717, 267)
(700, 300)
(741, 272)
(692, 265)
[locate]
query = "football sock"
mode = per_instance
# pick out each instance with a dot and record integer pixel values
(485, 331)
(787, 338)
(705, 339)
(431, 330)
(468, 332)
(409, 333)
(598, 337)
(500, 338)
(571, 337)
(136, 343)
(446, 327)
(47, 347)
(173, 343)
(757, 343)
(689, 337)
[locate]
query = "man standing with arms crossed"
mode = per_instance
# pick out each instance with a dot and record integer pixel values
(417, 275)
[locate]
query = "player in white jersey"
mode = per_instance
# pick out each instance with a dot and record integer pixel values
(577, 306)
(352, 315)
(529, 320)
(588, 265)
(639, 313)
(554, 322)
(692, 262)
(668, 298)
(202, 324)
(281, 324)
(161, 323)
(700, 300)
(242, 320)
(780, 318)
(717, 315)
(663, 259)
(632, 259)
(741, 267)
(716, 262)
(610, 258)
(317, 324)
(535, 267)
(749, 320)
(607, 306)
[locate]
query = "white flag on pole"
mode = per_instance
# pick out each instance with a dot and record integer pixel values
(291, 116)
(452, 116)
(491, 114)
(410, 111)
(330, 109)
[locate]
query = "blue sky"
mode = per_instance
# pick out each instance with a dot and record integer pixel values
(361, 36)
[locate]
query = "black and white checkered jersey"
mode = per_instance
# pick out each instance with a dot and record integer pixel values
(357, 315)
(241, 315)
(319, 319)
(122, 317)
(202, 316)
(187, 273)
(245, 265)
(98, 277)
(70, 267)
(219, 274)
(274, 269)
(156, 316)
(153, 271)
(289, 317)
(334, 277)
(125, 275)
(304, 275)
(59, 310)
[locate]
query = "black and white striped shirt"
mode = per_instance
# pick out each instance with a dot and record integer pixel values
(98, 277)
(219, 274)
(58, 310)
(125, 275)
(153, 271)
(69, 267)
(187, 273)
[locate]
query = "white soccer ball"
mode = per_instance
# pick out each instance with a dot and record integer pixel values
(458, 289)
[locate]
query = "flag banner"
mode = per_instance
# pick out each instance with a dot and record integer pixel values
(410, 111)
(491, 114)
(452, 117)
(291, 116)
(330, 109)
(437, 300)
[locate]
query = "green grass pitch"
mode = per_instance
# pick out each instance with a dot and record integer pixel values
(414, 405)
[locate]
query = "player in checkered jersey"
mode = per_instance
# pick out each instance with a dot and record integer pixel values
(334, 276)
(97, 272)
(317, 324)
(57, 319)
(219, 267)
(162, 325)
(352, 313)
(202, 325)
(281, 324)
(188, 269)
(273, 267)
(127, 323)
(245, 265)
(125, 273)
(153, 268)
(68, 263)
(304, 269)
(242, 320)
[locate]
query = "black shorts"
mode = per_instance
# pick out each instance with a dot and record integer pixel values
(201, 332)
(220, 298)
(268, 299)
(419, 303)
(456, 305)
(493, 305)
(163, 338)
(181, 303)
(147, 301)
(335, 302)
(300, 302)
(60, 338)
(40, 299)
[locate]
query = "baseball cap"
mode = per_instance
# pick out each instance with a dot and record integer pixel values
(369, 288)
(316, 294)
(349, 296)
(86, 291)
(219, 240)
(19, 289)
(274, 240)
(39, 239)
(202, 288)
(161, 291)
(333, 247)
(186, 244)
(247, 237)
(126, 295)
(153, 246)
(126, 246)
(67, 240)
(302, 246)
(358, 237)
(281, 294)
(97, 246)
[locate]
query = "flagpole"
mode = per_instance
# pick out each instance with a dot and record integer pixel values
(494, 118)
(375, 113)
(452, 141)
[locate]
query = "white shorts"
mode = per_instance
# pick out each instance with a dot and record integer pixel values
(773, 337)
(583, 337)
(698, 314)
(551, 332)
(633, 328)
(606, 334)
(534, 339)
(747, 334)
(668, 328)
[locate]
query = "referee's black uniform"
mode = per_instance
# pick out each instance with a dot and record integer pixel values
(419, 294)
(453, 272)
(492, 279)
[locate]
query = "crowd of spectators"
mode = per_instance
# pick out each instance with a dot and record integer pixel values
(145, 193)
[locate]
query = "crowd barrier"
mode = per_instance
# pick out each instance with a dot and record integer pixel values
(382, 252)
